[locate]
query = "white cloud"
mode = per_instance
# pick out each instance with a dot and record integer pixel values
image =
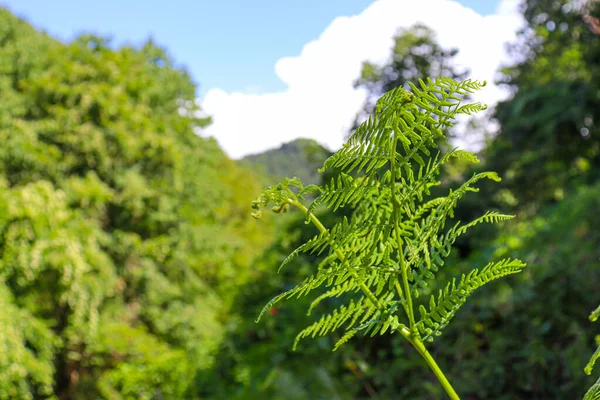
(320, 102)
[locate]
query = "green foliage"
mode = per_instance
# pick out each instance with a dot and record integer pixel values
(26, 349)
(524, 337)
(129, 268)
(58, 274)
(393, 245)
(147, 365)
(123, 231)
(453, 296)
(534, 332)
(547, 147)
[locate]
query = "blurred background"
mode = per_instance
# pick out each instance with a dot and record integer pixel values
(134, 136)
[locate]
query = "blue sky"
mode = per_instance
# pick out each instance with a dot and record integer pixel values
(228, 44)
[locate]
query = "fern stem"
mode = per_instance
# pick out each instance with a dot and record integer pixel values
(403, 266)
(418, 344)
(315, 221)
(399, 290)
(413, 335)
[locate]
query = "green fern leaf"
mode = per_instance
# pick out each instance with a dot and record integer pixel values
(337, 291)
(594, 392)
(454, 296)
(593, 359)
(595, 314)
(330, 322)
(396, 240)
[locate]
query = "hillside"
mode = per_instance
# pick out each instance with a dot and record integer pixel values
(300, 157)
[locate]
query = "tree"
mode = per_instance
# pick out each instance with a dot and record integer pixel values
(549, 139)
(124, 233)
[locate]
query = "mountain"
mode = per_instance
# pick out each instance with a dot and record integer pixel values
(301, 158)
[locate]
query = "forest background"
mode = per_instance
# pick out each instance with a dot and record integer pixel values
(130, 267)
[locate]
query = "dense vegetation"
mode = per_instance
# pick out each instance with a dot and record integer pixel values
(122, 230)
(130, 268)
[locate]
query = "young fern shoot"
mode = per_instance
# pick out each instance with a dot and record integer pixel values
(391, 248)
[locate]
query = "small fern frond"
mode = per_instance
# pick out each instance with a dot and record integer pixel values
(330, 322)
(433, 257)
(590, 365)
(309, 189)
(594, 392)
(380, 323)
(463, 155)
(490, 217)
(336, 291)
(315, 245)
(359, 152)
(345, 338)
(309, 284)
(471, 108)
(454, 296)
(345, 190)
(278, 195)
(595, 314)
(415, 119)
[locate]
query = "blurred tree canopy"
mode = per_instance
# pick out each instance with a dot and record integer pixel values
(123, 232)
(549, 140)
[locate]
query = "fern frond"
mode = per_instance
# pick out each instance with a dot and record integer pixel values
(311, 283)
(430, 264)
(471, 108)
(309, 189)
(316, 245)
(441, 245)
(490, 217)
(345, 190)
(413, 187)
(379, 326)
(345, 338)
(360, 151)
(279, 195)
(416, 119)
(435, 221)
(330, 322)
(595, 314)
(594, 392)
(396, 239)
(590, 365)
(336, 291)
(463, 155)
(454, 296)
(380, 323)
